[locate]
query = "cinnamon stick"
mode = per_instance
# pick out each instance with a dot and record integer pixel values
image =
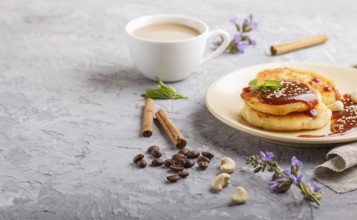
(170, 129)
(298, 44)
(148, 118)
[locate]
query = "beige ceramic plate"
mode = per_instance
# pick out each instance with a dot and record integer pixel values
(224, 102)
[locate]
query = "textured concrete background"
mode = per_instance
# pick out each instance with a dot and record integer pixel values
(70, 112)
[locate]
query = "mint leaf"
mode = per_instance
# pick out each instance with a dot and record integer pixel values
(272, 84)
(163, 91)
(266, 85)
(254, 84)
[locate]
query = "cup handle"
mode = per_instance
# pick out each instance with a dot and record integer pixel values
(221, 48)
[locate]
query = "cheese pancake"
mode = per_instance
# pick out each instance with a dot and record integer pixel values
(290, 97)
(291, 122)
(324, 85)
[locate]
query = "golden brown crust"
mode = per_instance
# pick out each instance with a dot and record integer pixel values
(290, 122)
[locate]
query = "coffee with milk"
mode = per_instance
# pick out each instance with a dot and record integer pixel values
(166, 32)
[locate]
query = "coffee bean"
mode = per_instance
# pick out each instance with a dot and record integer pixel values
(152, 148)
(183, 174)
(207, 154)
(180, 161)
(193, 154)
(138, 157)
(173, 178)
(169, 162)
(189, 163)
(203, 165)
(157, 162)
(156, 153)
(141, 163)
(175, 156)
(176, 168)
(184, 151)
(203, 158)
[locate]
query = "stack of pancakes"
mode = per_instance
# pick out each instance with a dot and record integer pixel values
(300, 104)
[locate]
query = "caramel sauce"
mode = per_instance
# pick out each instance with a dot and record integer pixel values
(345, 120)
(316, 80)
(341, 121)
(290, 92)
(328, 88)
(247, 90)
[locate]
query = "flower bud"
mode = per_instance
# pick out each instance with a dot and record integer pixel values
(256, 170)
(294, 170)
(284, 186)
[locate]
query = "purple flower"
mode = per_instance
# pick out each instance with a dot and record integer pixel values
(246, 21)
(288, 173)
(237, 37)
(239, 43)
(296, 180)
(240, 40)
(254, 26)
(313, 187)
(240, 46)
(279, 186)
(266, 156)
(234, 20)
(274, 185)
(295, 162)
(252, 42)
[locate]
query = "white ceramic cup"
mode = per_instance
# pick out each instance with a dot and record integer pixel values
(171, 60)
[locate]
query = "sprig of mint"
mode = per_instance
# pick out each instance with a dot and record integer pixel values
(267, 84)
(163, 91)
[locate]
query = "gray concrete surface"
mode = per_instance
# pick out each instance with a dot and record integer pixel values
(70, 112)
